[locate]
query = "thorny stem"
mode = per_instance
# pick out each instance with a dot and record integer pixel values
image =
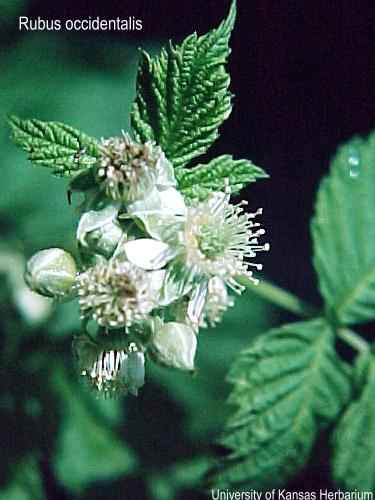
(293, 304)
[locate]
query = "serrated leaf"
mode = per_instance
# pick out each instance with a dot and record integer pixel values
(87, 450)
(287, 385)
(182, 95)
(55, 145)
(354, 437)
(201, 180)
(343, 232)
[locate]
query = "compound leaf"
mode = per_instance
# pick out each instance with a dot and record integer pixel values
(287, 385)
(182, 95)
(354, 438)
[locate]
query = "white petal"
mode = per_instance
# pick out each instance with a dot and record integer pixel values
(175, 345)
(162, 227)
(165, 172)
(94, 219)
(217, 201)
(196, 303)
(178, 282)
(156, 281)
(149, 204)
(135, 371)
(172, 201)
(163, 201)
(147, 253)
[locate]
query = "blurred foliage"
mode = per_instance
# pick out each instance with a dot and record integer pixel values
(57, 440)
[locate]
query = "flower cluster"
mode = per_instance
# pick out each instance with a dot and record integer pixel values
(153, 269)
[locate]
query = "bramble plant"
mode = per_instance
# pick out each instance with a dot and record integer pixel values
(161, 248)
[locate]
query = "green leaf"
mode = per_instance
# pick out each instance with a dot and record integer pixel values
(182, 95)
(287, 385)
(55, 145)
(343, 232)
(354, 438)
(201, 180)
(87, 449)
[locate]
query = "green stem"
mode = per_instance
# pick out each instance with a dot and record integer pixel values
(280, 297)
(293, 304)
(353, 339)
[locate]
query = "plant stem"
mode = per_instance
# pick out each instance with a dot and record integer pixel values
(353, 339)
(293, 304)
(280, 297)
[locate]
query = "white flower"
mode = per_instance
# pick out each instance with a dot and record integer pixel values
(174, 344)
(219, 238)
(99, 230)
(111, 371)
(52, 273)
(127, 171)
(212, 239)
(117, 293)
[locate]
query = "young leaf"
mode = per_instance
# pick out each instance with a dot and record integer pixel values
(55, 145)
(287, 386)
(199, 181)
(182, 95)
(354, 438)
(343, 232)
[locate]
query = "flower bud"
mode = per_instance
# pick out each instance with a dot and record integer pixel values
(175, 345)
(99, 230)
(51, 273)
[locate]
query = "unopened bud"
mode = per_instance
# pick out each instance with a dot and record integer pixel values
(52, 273)
(99, 230)
(175, 345)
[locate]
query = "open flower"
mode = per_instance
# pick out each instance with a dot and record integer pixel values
(213, 239)
(219, 239)
(127, 170)
(117, 293)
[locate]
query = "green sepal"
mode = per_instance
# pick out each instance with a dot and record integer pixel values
(84, 181)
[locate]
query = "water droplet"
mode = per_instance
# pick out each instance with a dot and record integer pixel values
(353, 161)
